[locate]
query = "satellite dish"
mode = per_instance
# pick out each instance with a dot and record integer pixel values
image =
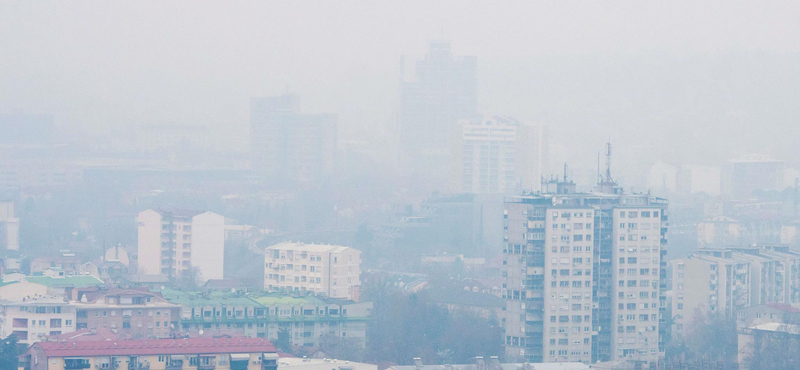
(200, 332)
(162, 287)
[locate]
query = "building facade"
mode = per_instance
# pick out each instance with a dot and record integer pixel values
(331, 270)
(181, 243)
(308, 320)
(160, 354)
(32, 318)
(726, 281)
(495, 154)
(137, 313)
(584, 275)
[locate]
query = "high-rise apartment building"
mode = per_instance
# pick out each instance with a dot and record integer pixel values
(495, 154)
(288, 146)
(328, 269)
(9, 227)
(727, 280)
(584, 275)
(173, 243)
(445, 89)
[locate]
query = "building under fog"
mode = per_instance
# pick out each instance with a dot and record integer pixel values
(443, 90)
(584, 275)
(9, 227)
(289, 147)
(173, 243)
(495, 154)
(753, 173)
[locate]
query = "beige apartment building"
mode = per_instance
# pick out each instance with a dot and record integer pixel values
(725, 281)
(331, 270)
(173, 243)
(584, 275)
(226, 353)
(32, 318)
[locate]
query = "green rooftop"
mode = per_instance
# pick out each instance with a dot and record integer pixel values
(281, 299)
(65, 282)
(198, 299)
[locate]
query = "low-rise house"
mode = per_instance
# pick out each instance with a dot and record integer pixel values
(767, 313)
(311, 320)
(308, 319)
(138, 313)
(158, 354)
(218, 312)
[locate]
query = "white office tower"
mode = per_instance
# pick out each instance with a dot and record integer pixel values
(495, 154)
(174, 243)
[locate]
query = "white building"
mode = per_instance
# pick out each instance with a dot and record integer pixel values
(584, 275)
(9, 227)
(175, 242)
(32, 318)
(495, 154)
(328, 269)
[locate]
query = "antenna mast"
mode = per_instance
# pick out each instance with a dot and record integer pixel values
(608, 162)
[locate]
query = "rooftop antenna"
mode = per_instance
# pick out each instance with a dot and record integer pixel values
(565, 171)
(599, 179)
(608, 162)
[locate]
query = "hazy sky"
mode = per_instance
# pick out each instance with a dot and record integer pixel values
(108, 64)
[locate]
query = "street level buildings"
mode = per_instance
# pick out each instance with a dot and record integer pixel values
(181, 244)
(158, 354)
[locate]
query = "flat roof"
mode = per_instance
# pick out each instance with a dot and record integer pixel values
(81, 281)
(186, 346)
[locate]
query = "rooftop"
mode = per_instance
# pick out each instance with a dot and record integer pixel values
(81, 281)
(197, 299)
(301, 247)
(188, 346)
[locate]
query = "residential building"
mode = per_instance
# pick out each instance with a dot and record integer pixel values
(445, 89)
(331, 270)
(767, 313)
(181, 244)
(756, 338)
(289, 146)
(312, 320)
(718, 231)
(34, 317)
(495, 154)
(727, 280)
(308, 319)
(9, 227)
(159, 354)
(584, 275)
(136, 313)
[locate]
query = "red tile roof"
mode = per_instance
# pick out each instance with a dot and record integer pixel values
(190, 346)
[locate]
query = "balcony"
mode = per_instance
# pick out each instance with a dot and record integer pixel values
(76, 363)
